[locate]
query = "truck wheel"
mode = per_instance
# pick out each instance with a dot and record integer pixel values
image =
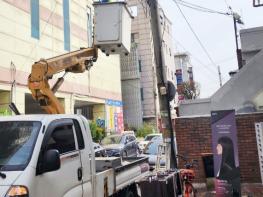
(129, 194)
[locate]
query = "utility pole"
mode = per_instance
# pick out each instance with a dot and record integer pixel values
(162, 82)
(237, 19)
(220, 76)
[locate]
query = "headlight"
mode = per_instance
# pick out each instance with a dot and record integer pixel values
(17, 191)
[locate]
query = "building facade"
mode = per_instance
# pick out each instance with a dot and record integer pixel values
(131, 89)
(142, 36)
(167, 52)
(182, 62)
(184, 72)
(34, 29)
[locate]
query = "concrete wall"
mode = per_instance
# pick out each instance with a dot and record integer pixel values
(132, 104)
(251, 39)
(242, 88)
(251, 42)
(195, 107)
(131, 89)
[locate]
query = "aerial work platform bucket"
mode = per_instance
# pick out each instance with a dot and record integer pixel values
(112, 32)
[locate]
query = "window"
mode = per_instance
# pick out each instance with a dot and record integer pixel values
(161, 20)
(89, 27)
(62, 139)
(133, 37)
(134, 11)
(66, 25)
(140, 65)
(79, 135)
(34, 7)
(142, 94)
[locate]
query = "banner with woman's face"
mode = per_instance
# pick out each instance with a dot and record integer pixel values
(225, 151)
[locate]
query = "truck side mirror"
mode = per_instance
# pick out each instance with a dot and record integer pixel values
(51, 161)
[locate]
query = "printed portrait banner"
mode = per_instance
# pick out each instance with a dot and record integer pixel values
(225, 151)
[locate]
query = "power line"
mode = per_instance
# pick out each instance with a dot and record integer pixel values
(196, 36)
(198, 60)
(227, 5)
(200, 8)
(204, 66)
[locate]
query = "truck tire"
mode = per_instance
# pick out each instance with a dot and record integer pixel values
(129, 194)
(130, 191)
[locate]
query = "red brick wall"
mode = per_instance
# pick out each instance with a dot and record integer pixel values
(194, 138)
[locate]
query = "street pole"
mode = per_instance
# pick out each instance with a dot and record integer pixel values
(162, 83)
(235, 28)
(236, 18)
(220, 76)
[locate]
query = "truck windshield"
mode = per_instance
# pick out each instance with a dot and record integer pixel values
(17, 142)
(112, 139)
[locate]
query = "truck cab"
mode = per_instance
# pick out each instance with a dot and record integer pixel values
(52, 155)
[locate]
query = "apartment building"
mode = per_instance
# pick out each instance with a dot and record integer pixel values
(183, 72)
(142, 37)
(168, 53)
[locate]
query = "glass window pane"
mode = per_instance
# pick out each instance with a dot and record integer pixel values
(79, 135)
(62, 139)
(17, 142)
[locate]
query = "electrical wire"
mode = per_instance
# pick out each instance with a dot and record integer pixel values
(195, 34)
(200, 8)
(204, 66)
(198, 60)
(227, 5)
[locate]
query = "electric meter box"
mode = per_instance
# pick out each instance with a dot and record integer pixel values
(112, 31)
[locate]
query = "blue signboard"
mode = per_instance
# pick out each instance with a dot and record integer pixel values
(179, 76)
(114, 103)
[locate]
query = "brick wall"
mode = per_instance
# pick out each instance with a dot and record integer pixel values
(194, 138)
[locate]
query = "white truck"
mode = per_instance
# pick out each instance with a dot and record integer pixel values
(53, 156)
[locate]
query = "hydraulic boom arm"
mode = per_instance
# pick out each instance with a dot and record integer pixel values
(43, 70)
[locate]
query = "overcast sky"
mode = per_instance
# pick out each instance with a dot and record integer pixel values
(216, 33)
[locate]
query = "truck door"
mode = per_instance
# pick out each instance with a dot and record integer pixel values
(67, 181)
(86, 158)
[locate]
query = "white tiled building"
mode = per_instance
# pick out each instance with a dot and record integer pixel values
(34, 29)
